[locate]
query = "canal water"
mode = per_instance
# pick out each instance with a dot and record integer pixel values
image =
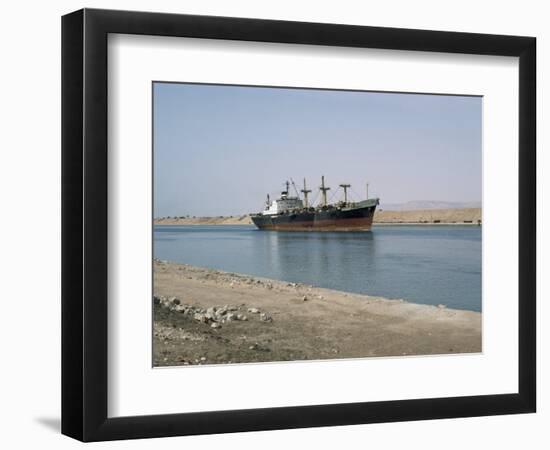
(421, 264)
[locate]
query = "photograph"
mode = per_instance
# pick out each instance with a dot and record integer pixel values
(275, 225)
(296, 224)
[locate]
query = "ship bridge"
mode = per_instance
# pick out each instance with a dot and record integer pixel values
(282, 204)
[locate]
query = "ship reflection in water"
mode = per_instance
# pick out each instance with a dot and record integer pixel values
(421, 264)
(314, 256)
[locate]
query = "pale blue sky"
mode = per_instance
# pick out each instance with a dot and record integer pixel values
(218, 150)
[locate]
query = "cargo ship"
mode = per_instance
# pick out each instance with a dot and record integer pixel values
(292, 213)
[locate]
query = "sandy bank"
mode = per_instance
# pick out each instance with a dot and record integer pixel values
(416, 217)
(430, 216)
(221, 220)
(204, 316)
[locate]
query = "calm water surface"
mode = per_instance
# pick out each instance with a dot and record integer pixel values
(421, 264)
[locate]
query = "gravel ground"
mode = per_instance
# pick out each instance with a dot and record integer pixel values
(204, 316)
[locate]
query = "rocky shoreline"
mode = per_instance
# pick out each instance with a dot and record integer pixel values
(204, 316)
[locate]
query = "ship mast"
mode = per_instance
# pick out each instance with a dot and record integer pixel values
(295, 188)
(305, 191)
(345, 187)
(324, 190)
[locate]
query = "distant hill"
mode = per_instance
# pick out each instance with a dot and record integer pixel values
(427, 204)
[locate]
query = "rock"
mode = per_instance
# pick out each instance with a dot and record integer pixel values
(265, 317)
(200, 318)
(215, 325)
(440, 306)
(203, 358)
(253, 310)
(304, 298)
(174, 300)
(156, 300)
(229, 317)
(211, 310)
(253, 347)
(244, 318)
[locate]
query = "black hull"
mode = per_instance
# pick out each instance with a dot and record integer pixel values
(357, 218)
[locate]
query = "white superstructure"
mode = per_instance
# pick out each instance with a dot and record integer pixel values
(284, 203)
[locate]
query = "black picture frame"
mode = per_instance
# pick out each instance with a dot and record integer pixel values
(84, 224)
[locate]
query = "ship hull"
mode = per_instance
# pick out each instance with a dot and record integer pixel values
(358, 218)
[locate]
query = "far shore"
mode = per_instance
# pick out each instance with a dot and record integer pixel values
(206, 316)
(450, 216)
